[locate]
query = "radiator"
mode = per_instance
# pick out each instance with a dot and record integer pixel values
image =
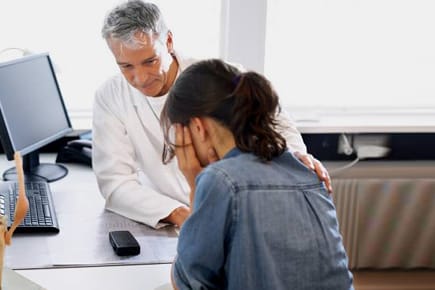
(387, 223)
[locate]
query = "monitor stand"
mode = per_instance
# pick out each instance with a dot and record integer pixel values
(33, 170)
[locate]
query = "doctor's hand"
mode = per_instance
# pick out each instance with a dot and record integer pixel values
(316, 166)
(177, 216)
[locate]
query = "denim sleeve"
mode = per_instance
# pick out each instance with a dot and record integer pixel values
(201, 244)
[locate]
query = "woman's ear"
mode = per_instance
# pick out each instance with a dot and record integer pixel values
(197, 127)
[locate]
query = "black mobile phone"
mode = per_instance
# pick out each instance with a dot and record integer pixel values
(124, 243)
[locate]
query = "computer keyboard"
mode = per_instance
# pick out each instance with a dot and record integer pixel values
(41, 216)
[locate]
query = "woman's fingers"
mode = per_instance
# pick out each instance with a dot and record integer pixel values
(179, 145)
(188, 162)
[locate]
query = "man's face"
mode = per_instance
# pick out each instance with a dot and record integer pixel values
(145, 64)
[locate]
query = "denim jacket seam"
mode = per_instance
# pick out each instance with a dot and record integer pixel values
(234, 189)
(302, 187)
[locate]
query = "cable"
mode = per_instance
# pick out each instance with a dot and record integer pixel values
(362, 152)
(346, 147)
(347, 166)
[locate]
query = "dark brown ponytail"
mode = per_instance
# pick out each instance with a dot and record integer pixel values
(253, 123)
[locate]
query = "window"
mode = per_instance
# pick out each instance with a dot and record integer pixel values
(352, 54)
(70, 32)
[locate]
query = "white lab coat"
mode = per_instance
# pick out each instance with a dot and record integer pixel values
(127, 150)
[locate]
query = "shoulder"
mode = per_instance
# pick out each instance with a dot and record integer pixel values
(114, 96)
(246, 170)
(215, 175)
(216, 181)
(115, 83)
(228, 173)
(113, 90)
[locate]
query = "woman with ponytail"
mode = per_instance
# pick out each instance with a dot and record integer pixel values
(260, 218)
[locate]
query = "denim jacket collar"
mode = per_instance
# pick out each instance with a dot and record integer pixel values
(232, 153)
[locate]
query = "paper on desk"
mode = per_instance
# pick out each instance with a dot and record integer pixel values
(89, 245)
(14, 281)
(29, 251)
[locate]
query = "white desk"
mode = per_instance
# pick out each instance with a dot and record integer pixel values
(68, 195)
(142, 277)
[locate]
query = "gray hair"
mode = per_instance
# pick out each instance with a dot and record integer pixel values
(133, 16)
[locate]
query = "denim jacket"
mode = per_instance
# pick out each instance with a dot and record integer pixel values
(261, 225)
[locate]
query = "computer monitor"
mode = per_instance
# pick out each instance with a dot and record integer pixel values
(32, 114)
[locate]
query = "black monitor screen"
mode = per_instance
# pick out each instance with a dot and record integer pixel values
(33, 113)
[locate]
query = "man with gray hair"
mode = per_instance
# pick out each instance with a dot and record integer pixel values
(127, 138)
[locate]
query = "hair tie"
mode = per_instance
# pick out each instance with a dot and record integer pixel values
(236, 80)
